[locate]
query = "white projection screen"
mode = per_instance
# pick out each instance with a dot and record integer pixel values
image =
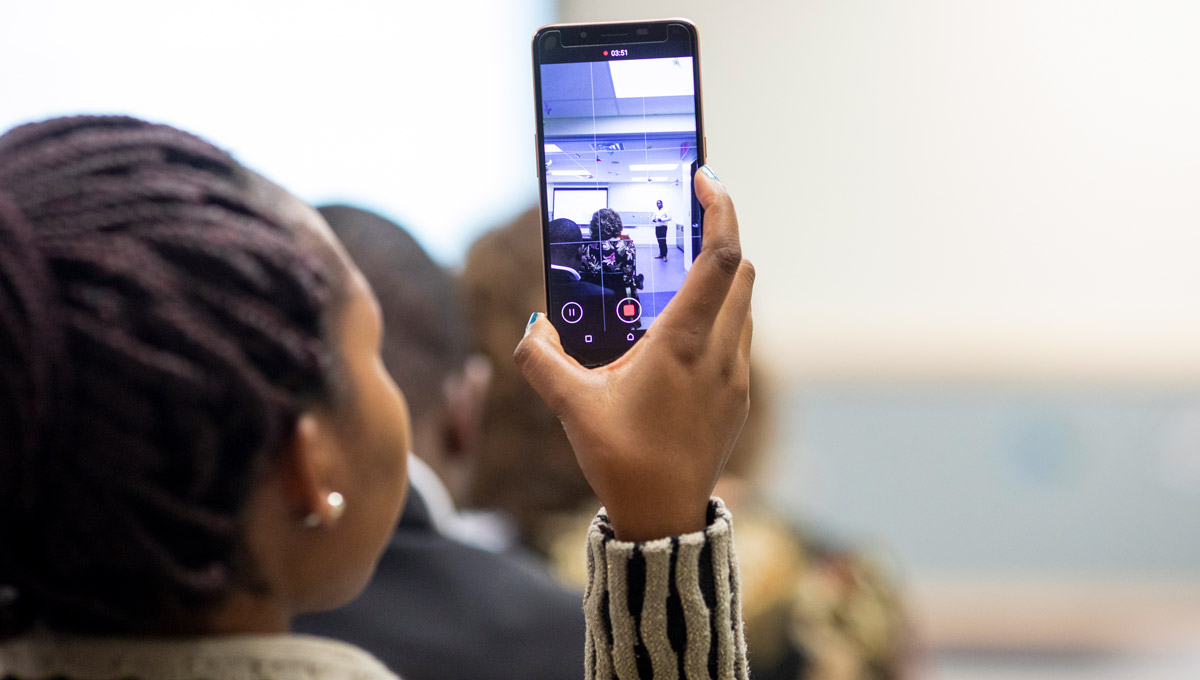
(578, 205)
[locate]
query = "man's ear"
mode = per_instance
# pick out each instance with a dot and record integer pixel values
(466, 393)
(306, 468)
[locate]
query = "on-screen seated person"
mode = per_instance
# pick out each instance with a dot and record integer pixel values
(438, 606)
(611, 260)
(199, 440)
(599, 304)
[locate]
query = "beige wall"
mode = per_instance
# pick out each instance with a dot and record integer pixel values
(996, 191)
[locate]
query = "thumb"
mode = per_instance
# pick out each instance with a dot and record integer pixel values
(552, 373)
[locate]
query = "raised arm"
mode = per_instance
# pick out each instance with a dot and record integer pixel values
(652, 432)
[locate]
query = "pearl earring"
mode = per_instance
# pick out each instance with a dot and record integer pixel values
(337, 507)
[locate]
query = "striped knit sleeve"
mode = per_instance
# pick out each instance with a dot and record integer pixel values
(666, 609)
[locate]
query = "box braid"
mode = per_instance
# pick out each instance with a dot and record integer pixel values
(161, 328)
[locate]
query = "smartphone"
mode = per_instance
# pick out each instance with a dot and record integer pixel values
(619, 138)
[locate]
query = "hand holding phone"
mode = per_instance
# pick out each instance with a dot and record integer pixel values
(652, 430)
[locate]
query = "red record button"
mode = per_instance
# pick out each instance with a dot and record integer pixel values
(629, 309)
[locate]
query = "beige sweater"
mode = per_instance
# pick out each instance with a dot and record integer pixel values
(665, 609)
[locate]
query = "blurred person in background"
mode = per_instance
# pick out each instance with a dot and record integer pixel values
(524, 469)
(439, 605)
(813, 609)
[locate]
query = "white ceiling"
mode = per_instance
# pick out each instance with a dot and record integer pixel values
(584, 92)
(613, 166)
(586, 89)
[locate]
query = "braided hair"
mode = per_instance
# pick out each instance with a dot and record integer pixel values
(161, 328)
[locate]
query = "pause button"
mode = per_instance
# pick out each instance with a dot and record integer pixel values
(572, 312)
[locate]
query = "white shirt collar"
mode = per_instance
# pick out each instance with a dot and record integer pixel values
(488, 530)
(574, 274)
(437, 498)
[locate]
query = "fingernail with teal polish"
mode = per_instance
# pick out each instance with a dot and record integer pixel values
(532, 319)
(709, 172)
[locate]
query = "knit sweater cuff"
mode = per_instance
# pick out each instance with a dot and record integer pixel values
(668, 608)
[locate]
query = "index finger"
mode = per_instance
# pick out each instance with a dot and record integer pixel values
(704, 289)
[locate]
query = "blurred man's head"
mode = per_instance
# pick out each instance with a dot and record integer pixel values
(659, 205)
(426, 341)
(526, 466)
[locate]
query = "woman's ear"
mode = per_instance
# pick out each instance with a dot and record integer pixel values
(306, 469)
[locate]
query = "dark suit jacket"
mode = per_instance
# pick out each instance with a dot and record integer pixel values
(437, 608)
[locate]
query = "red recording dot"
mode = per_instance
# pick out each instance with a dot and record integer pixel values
(606, 53)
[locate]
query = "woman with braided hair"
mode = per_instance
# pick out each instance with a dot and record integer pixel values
(198, 439)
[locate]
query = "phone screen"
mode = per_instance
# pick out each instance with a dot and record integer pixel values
(619, 140)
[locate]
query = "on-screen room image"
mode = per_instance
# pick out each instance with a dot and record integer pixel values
(620, 150)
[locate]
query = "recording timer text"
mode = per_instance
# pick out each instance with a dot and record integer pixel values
(616, 53)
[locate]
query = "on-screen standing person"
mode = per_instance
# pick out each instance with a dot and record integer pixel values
(439, 606)
(661, 220)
